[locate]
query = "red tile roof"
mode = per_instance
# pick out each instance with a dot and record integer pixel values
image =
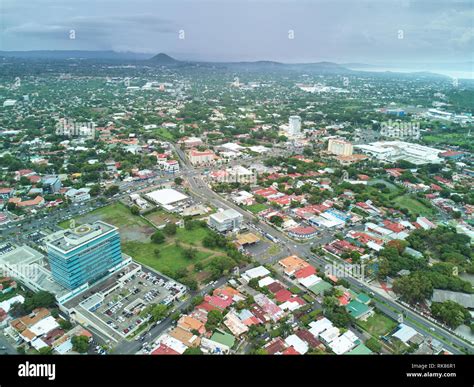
(275, 346)
(283, 295)
(307, 336)
(305, 272)
(275, 287)
(164, 350)
(290, 351)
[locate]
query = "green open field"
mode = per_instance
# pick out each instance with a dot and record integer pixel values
(449, 138)
(413, 205)
(161, 217)
(256, 208)
(135, 235)
(387, 184)
(131, 227)
(164, 133)
(378, 324)
(192, 237)
(170, 259)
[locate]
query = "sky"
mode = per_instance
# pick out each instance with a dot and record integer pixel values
(292, 31)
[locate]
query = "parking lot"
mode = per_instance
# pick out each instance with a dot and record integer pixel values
(119, 304)
(5, 248)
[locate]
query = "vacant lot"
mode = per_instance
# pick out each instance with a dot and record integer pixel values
(160, 217)
(413, 205)
(131, 227)
(256, 208)
(164, 133)
(171, 258)
(378, 325)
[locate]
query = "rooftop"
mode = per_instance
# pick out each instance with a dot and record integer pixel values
(67, 240)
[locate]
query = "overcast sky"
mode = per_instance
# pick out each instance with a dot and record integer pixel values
(368, 31)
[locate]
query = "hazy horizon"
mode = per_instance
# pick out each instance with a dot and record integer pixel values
(342, 31)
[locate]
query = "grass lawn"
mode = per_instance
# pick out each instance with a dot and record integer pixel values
(193, 237)
(116, 214)
(256, 208)
(160, 217)
(131, 227)
(170, 259)
(413, 205)
(164, 133)
(378, 324)
(387, 184)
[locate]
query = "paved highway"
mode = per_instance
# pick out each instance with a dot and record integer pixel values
(424, 326)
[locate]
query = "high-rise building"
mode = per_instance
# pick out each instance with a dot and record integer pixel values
(294, 126)
(83, 254)
(51, 184)
(340, 147)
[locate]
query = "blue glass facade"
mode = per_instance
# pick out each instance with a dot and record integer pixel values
(87, 262)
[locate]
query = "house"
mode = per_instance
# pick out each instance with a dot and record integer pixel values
(269, 307)
(277, 345)
(6, 193)
(320, 287)
(361, 349)
(405, 333)
(189, 339)
(256, 272)
(299, 345)
(292, 264)
(344, 343)
(219, 343)
(235, 325)
(189, 324)
(359, 310)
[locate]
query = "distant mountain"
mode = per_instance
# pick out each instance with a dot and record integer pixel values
(73, 54)
(163, 59)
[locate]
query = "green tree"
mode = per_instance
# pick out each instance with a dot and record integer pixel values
(374, 345)
(276, 220)
(192, 351)
(157, 237)
(170, 229)
(413, 288)
(214, 318)
(80, 344)
(45, 351)
(451, 313)
(135, 210)
(112, 190)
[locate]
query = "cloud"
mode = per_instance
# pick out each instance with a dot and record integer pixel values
(343, 30)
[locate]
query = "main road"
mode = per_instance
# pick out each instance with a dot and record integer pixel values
(385, 304)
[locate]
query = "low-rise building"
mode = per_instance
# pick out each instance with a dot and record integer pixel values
(227, 220)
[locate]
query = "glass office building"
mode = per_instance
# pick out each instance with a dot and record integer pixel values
(83, 254)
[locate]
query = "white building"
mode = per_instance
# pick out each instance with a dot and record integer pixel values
(393, 151)
(169, 166)
(167, 198)
(294, 126)
(78, 195)
(340, 147)
(227, 220)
